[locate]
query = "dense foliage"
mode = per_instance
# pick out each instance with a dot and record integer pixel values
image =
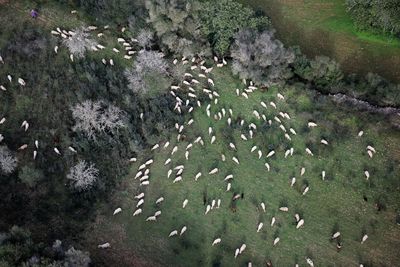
(221, 20)
(381, 15)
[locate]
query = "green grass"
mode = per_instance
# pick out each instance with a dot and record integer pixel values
(334, 204)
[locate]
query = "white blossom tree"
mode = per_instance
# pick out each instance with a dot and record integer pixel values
(79, 42)
(8, 162)
(83, 175)
(145, 38)
(95, 117)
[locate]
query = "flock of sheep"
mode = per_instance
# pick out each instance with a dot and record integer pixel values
(196, 81)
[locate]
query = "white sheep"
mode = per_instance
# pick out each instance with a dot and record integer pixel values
(151, 218)
(185, 202)
(335, 235)
(284, 209)
(242, 248)
(231, 145)
(137, 212)
(174, 232)
(364, 238)
(306, 190)
(236, 160)
(183, 230)
(312, 124)
(177, 179)
(273, 221)
(216, 241)
(293, 181)
(167, 161)
(208, 208)
(323, 141)
(263, 206)
(267, 166)
(302, 171)
(104, 246)
(116, 211)
(308, 151)
(300, 224)
(141, 195)
(228, 187)
(276, 240)
(213, 171)
(57, 151)
(159, 200)
(260, 226)
(367, 175)
(270, 154)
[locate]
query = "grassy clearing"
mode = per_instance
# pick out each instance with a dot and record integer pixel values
(324, 27)
(335, 204)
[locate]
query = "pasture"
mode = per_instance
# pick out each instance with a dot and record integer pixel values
(325, 28)
(345, 201)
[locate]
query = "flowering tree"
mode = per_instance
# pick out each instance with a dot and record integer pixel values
(79, 42)
(83, 175)
(95, 117)
(8, 162)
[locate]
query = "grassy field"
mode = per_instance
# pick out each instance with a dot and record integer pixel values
(335, 204)
(324, 27)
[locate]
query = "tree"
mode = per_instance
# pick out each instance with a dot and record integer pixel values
(260, 57)
(221, 20)
(8, 162)
(77, 258)
(150, 65)
(79, 42)
(83, 175)
(30, 176)
(177, 25)
(145, 38)
(93, 118)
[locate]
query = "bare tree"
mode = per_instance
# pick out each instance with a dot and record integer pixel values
(93, 118)
(77, 258)
(83, 175)
(148, 64)
(79, 42)
(261, 57)
(145, 38)
(8, 162)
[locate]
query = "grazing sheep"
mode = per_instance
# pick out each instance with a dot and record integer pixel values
(306, 190)
(284, 209)
(323, 174)
(272, 104)
(185, 202)
(267, 166)
(360, 133)
(183, 230)
(237, 253)
(167, 161)
(273, 221)
(141, 195)
(236, 160)
(292, 131)
(293, 181)
(276, 240)
(174, 232)
(364, 238)
(371, 149)
(57, 151)
(155, 147)
(177, 179)
(260, 226)
(228, 177)
(140, 202)
(302, 171)
(242, 248)
(213, 171)
(253, 148)
(216, 241)
(137, 212)
(159, 200)
(300, 224)
(116, 211)
(104, 246)
(145, 183)
(228, 187)
(151, 219)
(208, 208)
(263, 206)
(335, 235)
(308, 151)
(367, 174)
(310, 262)
(198, 175)
(270, 154)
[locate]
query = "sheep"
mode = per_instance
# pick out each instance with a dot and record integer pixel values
(323, 141)
(253, 148)
(231, 145)
(174, 150)
(213, 139)
(367, 174)
(236, 253)
(24, 146)
(277, 119)
(185, 202)
(293, 181)
(370, 154)
(308, 151)
(323, 174)
(150, 161)
(145, 183)
(276, 240)
(137, 212)
(272, 104)
(3, 88)
(210, 130)
(263, 206)
(208, 208)
(155, 147)
(216, 241)
(242, 248)
(73, 150)
(187, 155)
(141, 167)
(183, 230)
(312, 124)
(255, 112)
(228, 177)
(360, 133)
(166, 144)
(213, 171)
(370, 148)
(229, 121)
(198, 175)
(280, 96)
(259, 154)
(104, 246)
(111, 62)
(263, 104)
(34, 152)
(302, 171)
(273, 221)
(288, 137)
(297, 217)
(159, 200)
(2, 121)
(218, 203)
(236, 160)
(260, 226)
(177, 179)
(287, 152)
(284, 209)
(57, 151)
(116, 211)
(267, 166)
(151, 218)
(228, 187)
(174, 232)
(140, 202)
(306, 190)
(179, 172)
(213, 202)
(210, 81)
(364, 238)
(300, 224)
(310, 262)
(245, 95)
(104, 61)
(21, 81)
(141, 195)
(270, 154)
(243, 137)
(282, 128)
(9, 77)
(71, 57)
(335, 235)
(99, 46)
